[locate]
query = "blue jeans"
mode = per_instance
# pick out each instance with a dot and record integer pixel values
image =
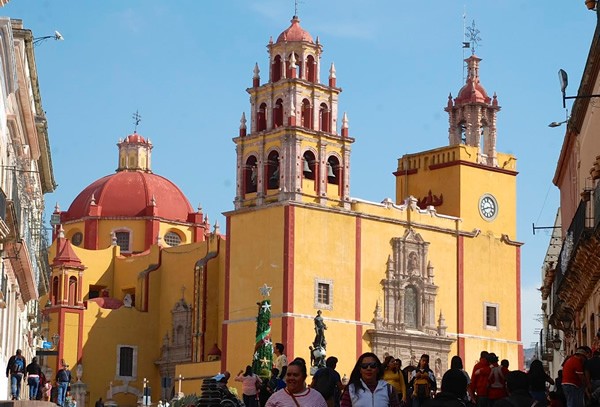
(34, 384)
(573, 394)
(15, 384)
(62, 392)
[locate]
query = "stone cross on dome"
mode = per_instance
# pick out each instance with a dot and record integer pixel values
(137, 118)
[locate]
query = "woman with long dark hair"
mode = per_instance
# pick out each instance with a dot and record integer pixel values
(538, 378)
(34, 373)
(366, 386)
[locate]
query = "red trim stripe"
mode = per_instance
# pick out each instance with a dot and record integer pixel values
(460, 291)
(518, 286)
(287, 323)
(357, 286)
(226, 300)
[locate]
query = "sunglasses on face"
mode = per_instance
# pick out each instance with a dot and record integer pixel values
(372, 365)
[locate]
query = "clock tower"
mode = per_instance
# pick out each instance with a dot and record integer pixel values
(468, 178)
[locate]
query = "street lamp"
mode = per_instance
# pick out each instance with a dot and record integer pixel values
(556, 124)
(556, 342)
(564, 82)
(57, 37)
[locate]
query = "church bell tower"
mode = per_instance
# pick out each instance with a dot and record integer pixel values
(292, 150)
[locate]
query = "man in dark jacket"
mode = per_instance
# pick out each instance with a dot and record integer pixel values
(518, 391)
(63, 378)
(15, 369)
(454, 391)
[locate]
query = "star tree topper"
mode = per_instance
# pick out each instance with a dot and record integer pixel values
(265, 290)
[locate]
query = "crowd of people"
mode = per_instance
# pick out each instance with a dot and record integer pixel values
(40, 388)
(386, 384)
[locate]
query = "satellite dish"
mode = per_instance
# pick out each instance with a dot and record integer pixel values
(564, 82)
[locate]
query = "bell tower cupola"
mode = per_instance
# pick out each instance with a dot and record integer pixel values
(291, 149)
(135, 153)
(473, 116)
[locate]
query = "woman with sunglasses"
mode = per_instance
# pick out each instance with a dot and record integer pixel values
(295, 393)
(366, 386)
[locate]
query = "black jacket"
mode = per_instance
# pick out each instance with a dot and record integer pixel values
(34, 368)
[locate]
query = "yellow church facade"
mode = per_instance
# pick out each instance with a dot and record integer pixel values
(143, 287)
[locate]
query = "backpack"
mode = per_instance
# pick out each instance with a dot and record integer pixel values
(496, 378)
(325, 383)
(18, 365)
(422, 386)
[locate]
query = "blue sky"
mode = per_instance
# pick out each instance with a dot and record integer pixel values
(185, 66)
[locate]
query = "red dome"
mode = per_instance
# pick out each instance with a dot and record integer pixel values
(472, 92)
(131, 194)
(295, 33)
(135, 138)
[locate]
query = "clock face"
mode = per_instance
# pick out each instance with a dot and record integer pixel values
(488, 207)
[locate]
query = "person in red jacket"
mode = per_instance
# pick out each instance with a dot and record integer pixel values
(479, 380)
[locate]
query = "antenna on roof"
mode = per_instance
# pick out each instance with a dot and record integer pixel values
(137, 118)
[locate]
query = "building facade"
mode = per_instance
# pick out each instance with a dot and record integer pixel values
(143, 288)
(570, 287)
(25, 176)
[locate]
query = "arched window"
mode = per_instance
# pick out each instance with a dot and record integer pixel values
(278, 113)
(410, 307)
(250, 175)
(276, 69)
(307, 116)
(311, 69)
(273, 170)
(54, 294)
(72, 300)
(333, 170)
(309, 165)
(261, 117)
(324, 118)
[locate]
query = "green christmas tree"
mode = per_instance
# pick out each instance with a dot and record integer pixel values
(263, 347)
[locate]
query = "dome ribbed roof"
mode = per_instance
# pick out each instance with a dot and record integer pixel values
(295, 33)
(131, 194)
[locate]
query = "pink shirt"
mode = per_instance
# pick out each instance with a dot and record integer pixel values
(248, 384)
(306, 398)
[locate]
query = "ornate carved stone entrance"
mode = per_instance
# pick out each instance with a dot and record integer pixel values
(406, 326)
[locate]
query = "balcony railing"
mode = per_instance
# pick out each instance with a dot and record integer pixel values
(578, 225)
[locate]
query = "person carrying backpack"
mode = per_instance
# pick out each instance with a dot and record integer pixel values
(15, 369)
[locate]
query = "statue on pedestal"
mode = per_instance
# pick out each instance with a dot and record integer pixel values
(319, 345)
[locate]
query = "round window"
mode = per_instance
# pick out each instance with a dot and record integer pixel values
(77, 238)
(172, 239)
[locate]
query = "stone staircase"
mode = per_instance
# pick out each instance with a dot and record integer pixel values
(26, 403)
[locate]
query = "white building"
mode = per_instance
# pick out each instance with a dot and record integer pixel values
(25, 175)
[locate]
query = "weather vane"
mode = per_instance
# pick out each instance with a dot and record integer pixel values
(137, 119)
(472, 37)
